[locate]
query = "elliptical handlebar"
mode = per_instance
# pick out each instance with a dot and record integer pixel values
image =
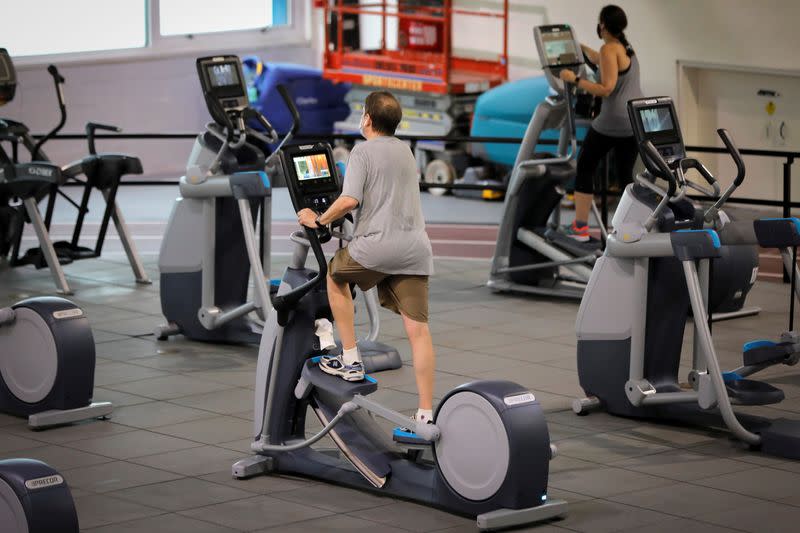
(689, 163)
(657, 166)
(741, 171)
(289, 101)
(58, 81)
(727, 140)
(285, 302)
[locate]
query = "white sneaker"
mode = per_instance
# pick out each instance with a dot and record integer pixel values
(334, 365)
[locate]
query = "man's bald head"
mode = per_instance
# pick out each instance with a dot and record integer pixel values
(384, 111)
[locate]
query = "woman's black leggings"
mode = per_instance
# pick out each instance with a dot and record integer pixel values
(594, 149)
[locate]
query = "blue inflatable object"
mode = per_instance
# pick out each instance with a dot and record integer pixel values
(505, 111)
(319, 101)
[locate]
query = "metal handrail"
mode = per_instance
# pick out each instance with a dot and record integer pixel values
(785, 202)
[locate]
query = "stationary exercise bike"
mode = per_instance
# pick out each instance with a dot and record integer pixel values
(656, 267)
(207, 255)
(47, 362)
(34, 498)
(100, 171)
(490, 444)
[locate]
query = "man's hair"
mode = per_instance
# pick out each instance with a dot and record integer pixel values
(384, 110)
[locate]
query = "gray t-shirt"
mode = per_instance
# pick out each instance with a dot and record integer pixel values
(389, 233)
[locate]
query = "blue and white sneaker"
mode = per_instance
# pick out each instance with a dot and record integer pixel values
(334, 365)
(404, 435)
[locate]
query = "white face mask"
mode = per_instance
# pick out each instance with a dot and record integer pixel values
(361, 126)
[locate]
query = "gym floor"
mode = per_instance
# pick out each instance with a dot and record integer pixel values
(183, 416)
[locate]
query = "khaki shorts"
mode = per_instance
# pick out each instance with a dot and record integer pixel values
(401, 293)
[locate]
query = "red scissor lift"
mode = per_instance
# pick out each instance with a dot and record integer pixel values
(437, 88)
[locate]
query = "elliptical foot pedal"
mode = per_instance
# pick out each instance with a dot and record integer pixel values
(335, 385)
(766, 352)
(35, 257)
(64, 248)
(409, 439)
(752, 392)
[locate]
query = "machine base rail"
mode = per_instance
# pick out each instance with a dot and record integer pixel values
(57, 417)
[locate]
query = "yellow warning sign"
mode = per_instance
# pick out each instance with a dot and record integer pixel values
(391, 83)
(771, 107)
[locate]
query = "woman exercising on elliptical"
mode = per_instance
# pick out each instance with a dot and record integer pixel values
(619, 82)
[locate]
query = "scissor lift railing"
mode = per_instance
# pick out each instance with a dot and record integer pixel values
(438, 71)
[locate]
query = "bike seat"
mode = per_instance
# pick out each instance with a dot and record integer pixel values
(103, 171)
(28, 180)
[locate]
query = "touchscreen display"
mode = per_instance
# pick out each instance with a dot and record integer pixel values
(311, 167)
(656, 119)
(559, 48)
(223, 75)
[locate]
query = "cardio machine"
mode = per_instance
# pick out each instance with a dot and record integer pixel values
(34, 498)
(656, 267)
(100, 171)
(206, 257)
(47, 363)
(490, 442)
(532, 255)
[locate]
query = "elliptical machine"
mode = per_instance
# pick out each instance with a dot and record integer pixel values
(47, 364)
(532, 255)
(34, 498)
(506, 486)
(205, 258)
(656, 267)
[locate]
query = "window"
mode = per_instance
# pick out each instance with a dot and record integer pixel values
(179, 17)
(57, 26)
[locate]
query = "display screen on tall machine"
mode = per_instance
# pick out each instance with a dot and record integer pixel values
(657, 119)
(311, 167)
(559, 48)
(223, 75)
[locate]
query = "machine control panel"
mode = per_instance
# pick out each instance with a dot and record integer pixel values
(655, 120)
(222, 79)
(311, 176)
(558, 49)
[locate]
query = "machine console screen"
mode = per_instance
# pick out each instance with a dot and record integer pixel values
(223, 75)
(657, 119)
(311, 167)
(559, 48)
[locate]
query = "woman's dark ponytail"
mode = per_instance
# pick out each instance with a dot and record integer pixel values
(625, 43)
(615, 21)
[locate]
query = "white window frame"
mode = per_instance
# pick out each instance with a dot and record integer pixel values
(296, 32)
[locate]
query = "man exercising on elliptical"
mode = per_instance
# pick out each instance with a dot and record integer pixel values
(390, 247)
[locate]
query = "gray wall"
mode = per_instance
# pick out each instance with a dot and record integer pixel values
(146, 95)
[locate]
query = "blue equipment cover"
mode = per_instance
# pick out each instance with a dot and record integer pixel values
(319, 101)
(505, 111)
